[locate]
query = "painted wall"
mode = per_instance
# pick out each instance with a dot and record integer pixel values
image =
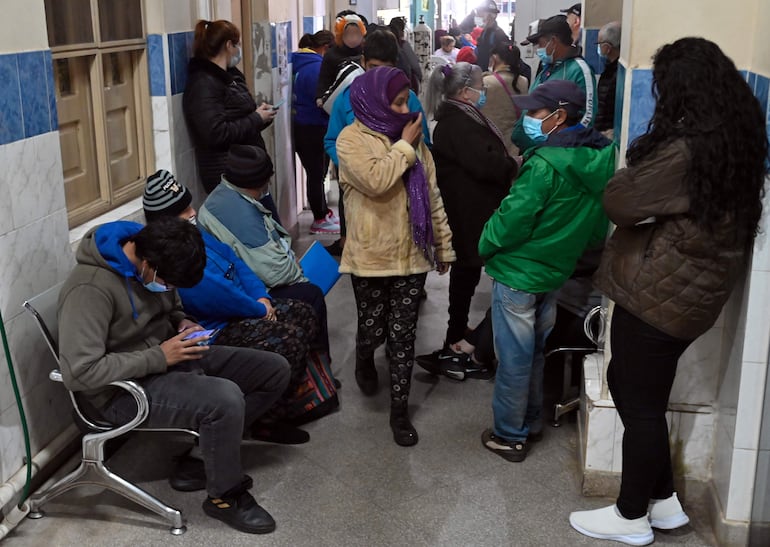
(24, 29)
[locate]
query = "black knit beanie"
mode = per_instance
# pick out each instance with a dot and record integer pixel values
(248, 166)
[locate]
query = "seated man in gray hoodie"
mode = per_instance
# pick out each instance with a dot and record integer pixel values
(121, 318)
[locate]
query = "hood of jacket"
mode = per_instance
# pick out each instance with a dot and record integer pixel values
(584, 157)
(304, 57)
(103, 247)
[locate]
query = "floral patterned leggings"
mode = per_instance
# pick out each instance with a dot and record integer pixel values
(387, 312)
(290, 335)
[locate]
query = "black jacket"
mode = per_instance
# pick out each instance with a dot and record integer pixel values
(330, 66)
(605, 95)
(220, 112)
(486, 43)
(474, 173)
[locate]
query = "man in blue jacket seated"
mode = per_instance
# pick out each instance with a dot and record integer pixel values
(121, 319)
(380, 49)
(233, 300)
(233, 214)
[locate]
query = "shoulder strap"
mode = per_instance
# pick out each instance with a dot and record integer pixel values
(507, 89)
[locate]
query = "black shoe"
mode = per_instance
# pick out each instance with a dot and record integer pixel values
(189, 474)
(423, 294)
(279, 433)
(366, 375)
(429, 362)
(239, 509)
(535, 437)
(404, 432)
(452, 364)
(335, 249)
(337, 383)
(479, 371)
(513, 451)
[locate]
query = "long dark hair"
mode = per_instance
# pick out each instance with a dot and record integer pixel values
(509, 54)
(702, 98)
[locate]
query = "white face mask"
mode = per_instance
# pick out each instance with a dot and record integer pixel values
(193, 220)
(478, 21)
(235, 59)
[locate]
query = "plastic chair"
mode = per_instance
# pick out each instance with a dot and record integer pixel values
(593, 327)
(92, 470)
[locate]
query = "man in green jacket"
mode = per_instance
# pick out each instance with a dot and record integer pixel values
(531, 244)
(559, 60)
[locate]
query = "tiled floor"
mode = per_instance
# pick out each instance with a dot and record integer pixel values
(351, 485)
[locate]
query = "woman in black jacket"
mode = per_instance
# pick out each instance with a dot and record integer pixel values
(474, 173)
(218, 106)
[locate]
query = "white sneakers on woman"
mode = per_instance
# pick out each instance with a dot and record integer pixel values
(608, 523)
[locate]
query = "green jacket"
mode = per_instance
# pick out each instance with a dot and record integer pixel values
(574, 69)
(552, 213)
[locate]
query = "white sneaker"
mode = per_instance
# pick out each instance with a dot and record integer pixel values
(667, 514)
(331, 217)
(324, 226)
(607, 523)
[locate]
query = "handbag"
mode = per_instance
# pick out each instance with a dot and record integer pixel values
(316, 395)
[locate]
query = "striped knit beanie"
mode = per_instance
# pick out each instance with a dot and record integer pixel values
(164, 196)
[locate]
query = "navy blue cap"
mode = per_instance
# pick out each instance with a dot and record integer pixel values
(554, 94)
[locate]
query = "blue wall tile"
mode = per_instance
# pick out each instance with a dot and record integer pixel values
(642, 103)
(762, 90)
(752, 80)
(157, 64)
(11, 124)
(179, 47)
(273, 44)
(34, 93)
(308, 25)
(620, 93)
(51, 89)
(590, 38)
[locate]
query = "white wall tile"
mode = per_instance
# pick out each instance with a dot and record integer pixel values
(160, 118)
(11, 443)
(755, 346)
(692, 444)
(723, 461)
(697, 374)
(617, 446)
(741, 484)
(760, 511)
(33, 169)
(180, 137)
(36, 257)
(748, 418)
(49, 412)
(31, 357)
(600, 441)
(162, 142)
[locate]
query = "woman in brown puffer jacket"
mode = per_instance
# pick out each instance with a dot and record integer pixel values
(686, 210)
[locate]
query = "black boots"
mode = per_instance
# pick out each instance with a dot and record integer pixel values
(404, 432)
(239, 509)
(366, 375)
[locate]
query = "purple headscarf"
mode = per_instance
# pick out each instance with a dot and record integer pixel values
(371, 106)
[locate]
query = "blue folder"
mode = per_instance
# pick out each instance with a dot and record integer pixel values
(320, 267)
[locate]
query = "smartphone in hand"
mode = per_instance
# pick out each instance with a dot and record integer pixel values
(201, 333)
(277, 105)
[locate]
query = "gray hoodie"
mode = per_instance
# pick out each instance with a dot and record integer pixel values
(110, 326)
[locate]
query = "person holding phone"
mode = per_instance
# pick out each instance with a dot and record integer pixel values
(121, 318)
(234, 304)
(397, 231)
(218, 106)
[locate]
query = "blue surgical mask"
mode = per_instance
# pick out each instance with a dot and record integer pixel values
(482, 100)
(545, 57)
(601, 55)
(235, 59)
(154, 286)
(533, 128)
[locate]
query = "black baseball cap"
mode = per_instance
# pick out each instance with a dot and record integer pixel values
(490, 7)
(576, 9)
(553, 26)
(554, 94)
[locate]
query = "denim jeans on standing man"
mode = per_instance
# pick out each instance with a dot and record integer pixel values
(521, 322)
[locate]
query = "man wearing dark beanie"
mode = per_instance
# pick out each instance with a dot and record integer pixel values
(234, 215)
(164, 196)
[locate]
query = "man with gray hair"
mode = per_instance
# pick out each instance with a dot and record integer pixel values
(608, 48)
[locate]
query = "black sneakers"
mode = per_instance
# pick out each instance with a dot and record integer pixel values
(404, 432)
(366, 375)
(238, 509)
(278, 433)
(513, 451)
(452, 364)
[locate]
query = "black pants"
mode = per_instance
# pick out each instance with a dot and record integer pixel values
(640, 376)
(462, 284)
(387, 310)
(309, 145)
(313, 295)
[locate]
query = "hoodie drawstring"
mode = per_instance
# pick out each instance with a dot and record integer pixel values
(134, 313)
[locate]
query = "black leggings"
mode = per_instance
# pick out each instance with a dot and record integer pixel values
(640, 376)
(387, 309)
(462, 285)
(309, 145)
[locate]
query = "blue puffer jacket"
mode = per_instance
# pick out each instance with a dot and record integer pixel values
(306, 68)
(228, 291)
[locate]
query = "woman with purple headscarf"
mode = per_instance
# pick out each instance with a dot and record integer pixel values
(397, 231)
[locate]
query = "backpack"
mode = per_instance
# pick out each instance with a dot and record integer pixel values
(348, 71)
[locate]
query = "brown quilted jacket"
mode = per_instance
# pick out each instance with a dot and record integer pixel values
(659, 265)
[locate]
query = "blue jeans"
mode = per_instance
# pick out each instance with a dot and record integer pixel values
(521, 322)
